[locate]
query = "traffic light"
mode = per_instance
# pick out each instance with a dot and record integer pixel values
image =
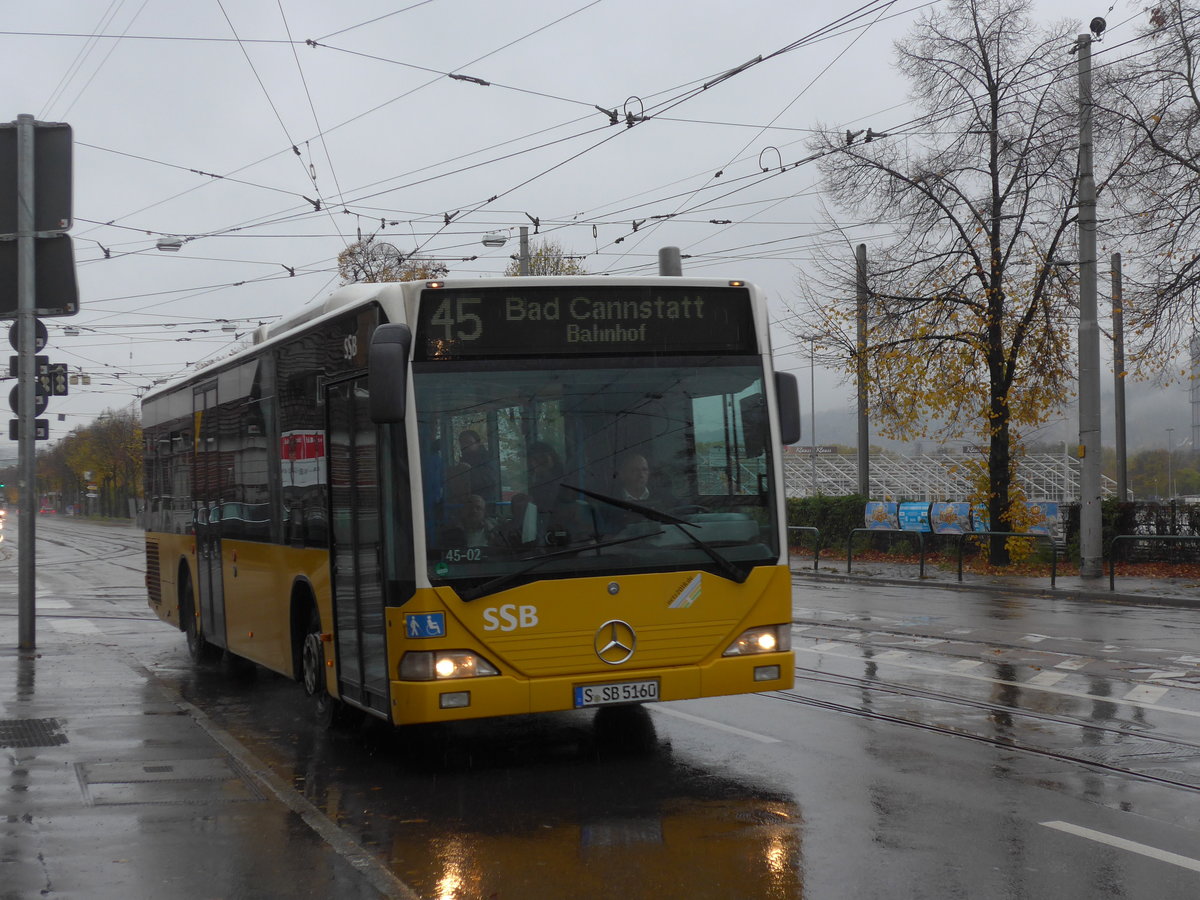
(56, 376)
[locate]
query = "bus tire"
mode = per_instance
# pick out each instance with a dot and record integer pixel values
(329, 712)
(199, 649)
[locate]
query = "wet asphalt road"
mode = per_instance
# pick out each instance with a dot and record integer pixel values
(937, 744)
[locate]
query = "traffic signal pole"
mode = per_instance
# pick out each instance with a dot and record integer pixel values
(26, 433)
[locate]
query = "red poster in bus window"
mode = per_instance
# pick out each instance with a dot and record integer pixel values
(302, 458)
(314, 445)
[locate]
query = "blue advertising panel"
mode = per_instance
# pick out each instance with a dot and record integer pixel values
(1045, 517)
(979, 517)
(880, 515)
(950, 518)
(914, 516)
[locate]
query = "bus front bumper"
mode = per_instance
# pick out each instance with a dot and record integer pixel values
(501, 695)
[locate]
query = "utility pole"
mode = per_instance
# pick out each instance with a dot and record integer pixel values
(1118, 322)
(860, 350)
(1170, 455)
(812, 411)
(523, 260)
(1091, 551)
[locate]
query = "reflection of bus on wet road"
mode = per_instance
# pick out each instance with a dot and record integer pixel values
(306, 498)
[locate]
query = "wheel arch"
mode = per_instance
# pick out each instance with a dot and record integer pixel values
(303, 603)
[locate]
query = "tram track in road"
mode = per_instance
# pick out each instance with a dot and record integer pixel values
(44, 615)
(998, 742)
(918, 641)
(111, 552)
(903, 690)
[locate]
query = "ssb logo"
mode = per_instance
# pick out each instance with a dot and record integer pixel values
(509, 617)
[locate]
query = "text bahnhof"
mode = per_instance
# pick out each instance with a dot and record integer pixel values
(584, 315)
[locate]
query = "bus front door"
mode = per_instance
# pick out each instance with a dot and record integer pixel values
(206, 483)
(356, 546)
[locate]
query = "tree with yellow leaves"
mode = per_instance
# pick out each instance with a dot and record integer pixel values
(968, 320)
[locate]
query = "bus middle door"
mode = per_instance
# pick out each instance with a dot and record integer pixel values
(207, 487)
(356, 558)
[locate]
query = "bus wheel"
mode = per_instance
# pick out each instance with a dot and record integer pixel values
(199, 649)
(330, 712)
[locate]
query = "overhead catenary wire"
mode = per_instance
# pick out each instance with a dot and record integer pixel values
(546, 219)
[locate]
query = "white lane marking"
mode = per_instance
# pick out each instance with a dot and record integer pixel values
(1047, 678)
(890, 655)
(801, 627)
(965, 664)
(1184, 862)
(829, 645)
(1035, 638)
(52, 603)
(1187, 660)
(924, 642)
(960, 631)
(73, 626)
(1168, 675)
(1146, 693)
(720, 726)
(1077, 662)
(1191, 713)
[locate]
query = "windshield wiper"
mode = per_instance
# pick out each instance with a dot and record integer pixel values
(501, 581)
(726, 568)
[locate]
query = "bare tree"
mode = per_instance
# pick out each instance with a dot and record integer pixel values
(968, 322)
(548, 257)
(1153, 102)
(370, 260)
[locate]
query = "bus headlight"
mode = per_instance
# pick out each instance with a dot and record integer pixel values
(440, 665)
(764, 639)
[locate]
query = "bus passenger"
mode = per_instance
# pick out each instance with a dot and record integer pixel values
(561, 517)
(474, 473)
(472, 527)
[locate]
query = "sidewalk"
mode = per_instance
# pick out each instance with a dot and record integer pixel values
(117, 789)
(1172, 591)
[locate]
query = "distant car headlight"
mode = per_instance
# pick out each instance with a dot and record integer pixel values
(764, 639)
(440, 665)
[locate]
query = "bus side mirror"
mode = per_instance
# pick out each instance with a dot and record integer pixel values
(387, 372)
(787, 395)
(754, 424)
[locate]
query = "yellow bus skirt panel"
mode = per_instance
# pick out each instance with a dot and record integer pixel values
(164, 552)
(258, 580)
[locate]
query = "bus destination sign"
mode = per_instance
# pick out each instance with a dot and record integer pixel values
(543, 320)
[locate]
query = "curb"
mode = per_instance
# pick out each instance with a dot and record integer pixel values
(1099, 596)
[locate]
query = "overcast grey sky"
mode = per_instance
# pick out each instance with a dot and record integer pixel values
(349, 107)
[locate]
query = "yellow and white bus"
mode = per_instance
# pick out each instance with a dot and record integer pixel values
(450, 499)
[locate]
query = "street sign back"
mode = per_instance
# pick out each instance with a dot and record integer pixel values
(52, 146)
(57, 291)
(41, 429)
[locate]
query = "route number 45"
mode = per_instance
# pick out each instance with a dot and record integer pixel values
(456, 315)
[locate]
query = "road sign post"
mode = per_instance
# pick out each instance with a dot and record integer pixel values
(26, 433)
(35, 210)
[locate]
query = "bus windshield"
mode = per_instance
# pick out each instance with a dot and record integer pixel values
(554, 468)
